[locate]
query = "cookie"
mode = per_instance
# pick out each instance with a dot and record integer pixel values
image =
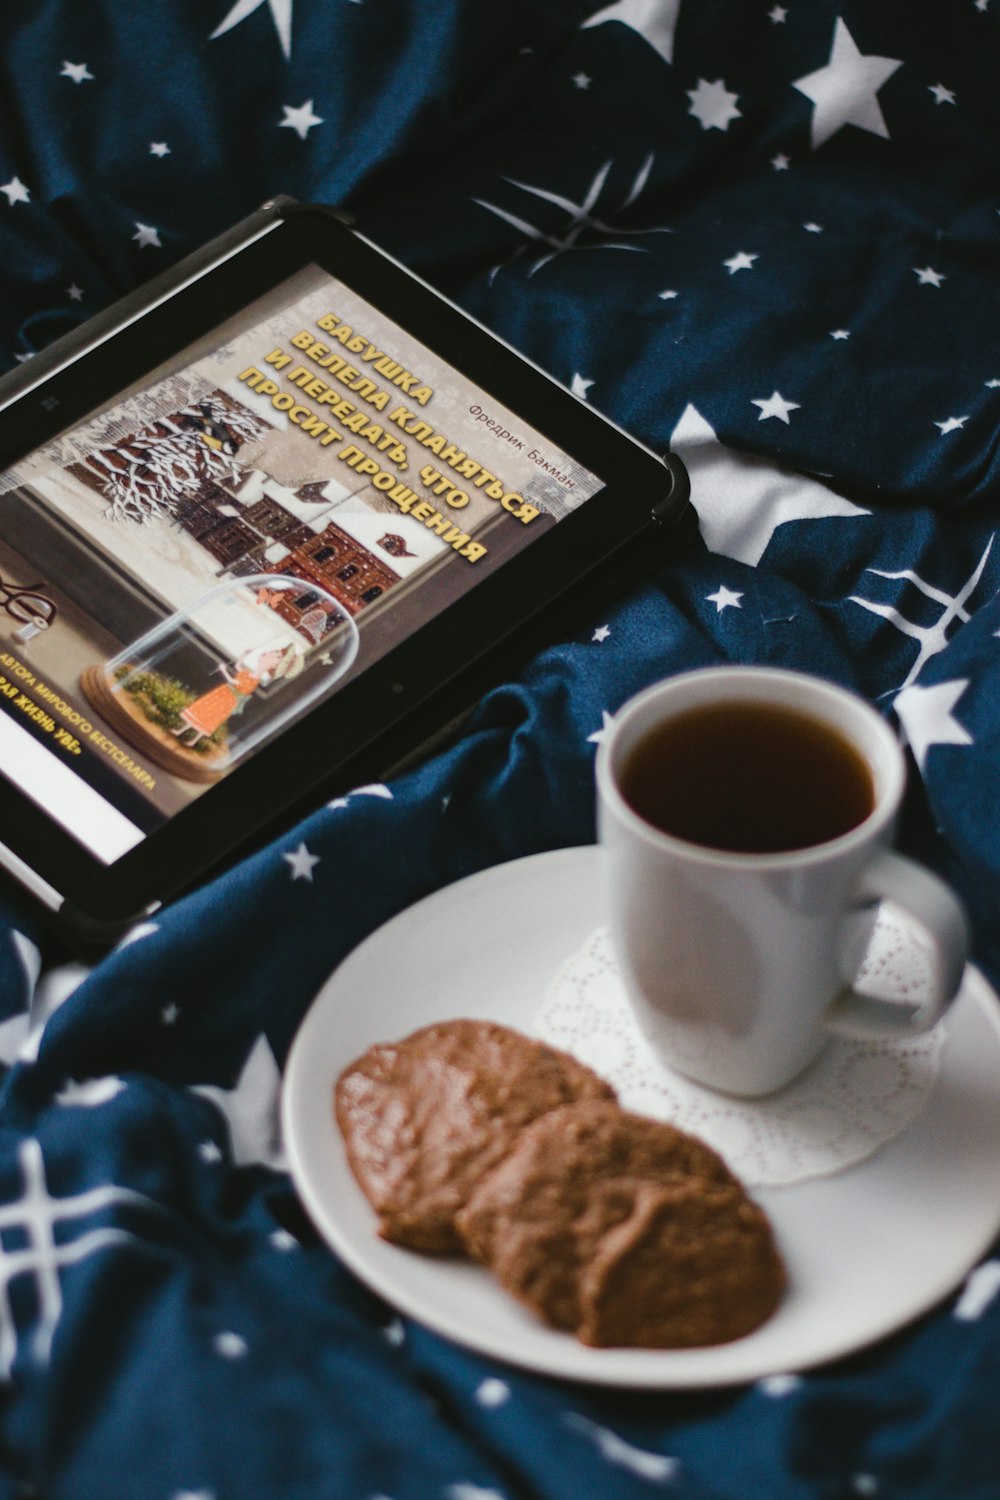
(540, 1217)
(425, 1118)
(694, 1264)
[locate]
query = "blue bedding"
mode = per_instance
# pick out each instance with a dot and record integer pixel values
(766, 236)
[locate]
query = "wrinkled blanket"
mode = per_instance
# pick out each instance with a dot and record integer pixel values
(766, 235)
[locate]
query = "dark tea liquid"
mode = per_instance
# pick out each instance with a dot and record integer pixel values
(754, 778)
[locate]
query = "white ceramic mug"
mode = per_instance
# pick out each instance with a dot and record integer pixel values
(739, 966)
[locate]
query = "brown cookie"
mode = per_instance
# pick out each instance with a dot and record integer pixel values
(538, 1219)
(694, 1264)
(423, 1119)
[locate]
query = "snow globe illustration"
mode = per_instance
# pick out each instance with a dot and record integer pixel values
(217, 679)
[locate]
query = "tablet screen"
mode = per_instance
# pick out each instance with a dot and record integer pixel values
(197, 565)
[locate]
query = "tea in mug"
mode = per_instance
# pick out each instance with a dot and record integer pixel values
(751, 778)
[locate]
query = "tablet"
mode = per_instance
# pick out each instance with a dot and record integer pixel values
(270, 522)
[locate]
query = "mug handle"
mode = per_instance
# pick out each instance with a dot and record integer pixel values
(921, 895)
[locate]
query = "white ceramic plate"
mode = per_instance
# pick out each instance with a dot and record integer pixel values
(867, 1251)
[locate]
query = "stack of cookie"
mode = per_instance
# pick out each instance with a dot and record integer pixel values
(468, 1137)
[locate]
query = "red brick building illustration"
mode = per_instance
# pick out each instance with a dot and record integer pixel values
(184, 469)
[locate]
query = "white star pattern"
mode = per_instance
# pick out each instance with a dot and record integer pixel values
(29, 957)
(934, 637)
(844, 92)
(301, 120)
(91, 1093)
(21, 1036)
(780, 1385)
(30, 1246)
(599, 735)
(376, 789)
(775, 405)
(654, 20)
(465, 1491)
(724, 598)
(656, 1468)
(146, 235)
(230, 1345)
(850, 108)
(492, 1392)
(980, 1288)
(743, 499)
(712, 105)
(581, 218)
(15, 191)
(13, 1034)
(301, 863)
(79, 72)
(926, 717)
(251, 1109)
(281, 14)
(138, 932)
(741, 261)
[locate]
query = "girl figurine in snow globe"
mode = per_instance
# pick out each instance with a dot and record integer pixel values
(215, 680)
(207, 714)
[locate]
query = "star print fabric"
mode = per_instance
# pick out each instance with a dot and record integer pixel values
(766, 235)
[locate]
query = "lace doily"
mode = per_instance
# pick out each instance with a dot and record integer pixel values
(857, 1096)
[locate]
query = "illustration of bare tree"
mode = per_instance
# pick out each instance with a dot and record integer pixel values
(145, 475)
